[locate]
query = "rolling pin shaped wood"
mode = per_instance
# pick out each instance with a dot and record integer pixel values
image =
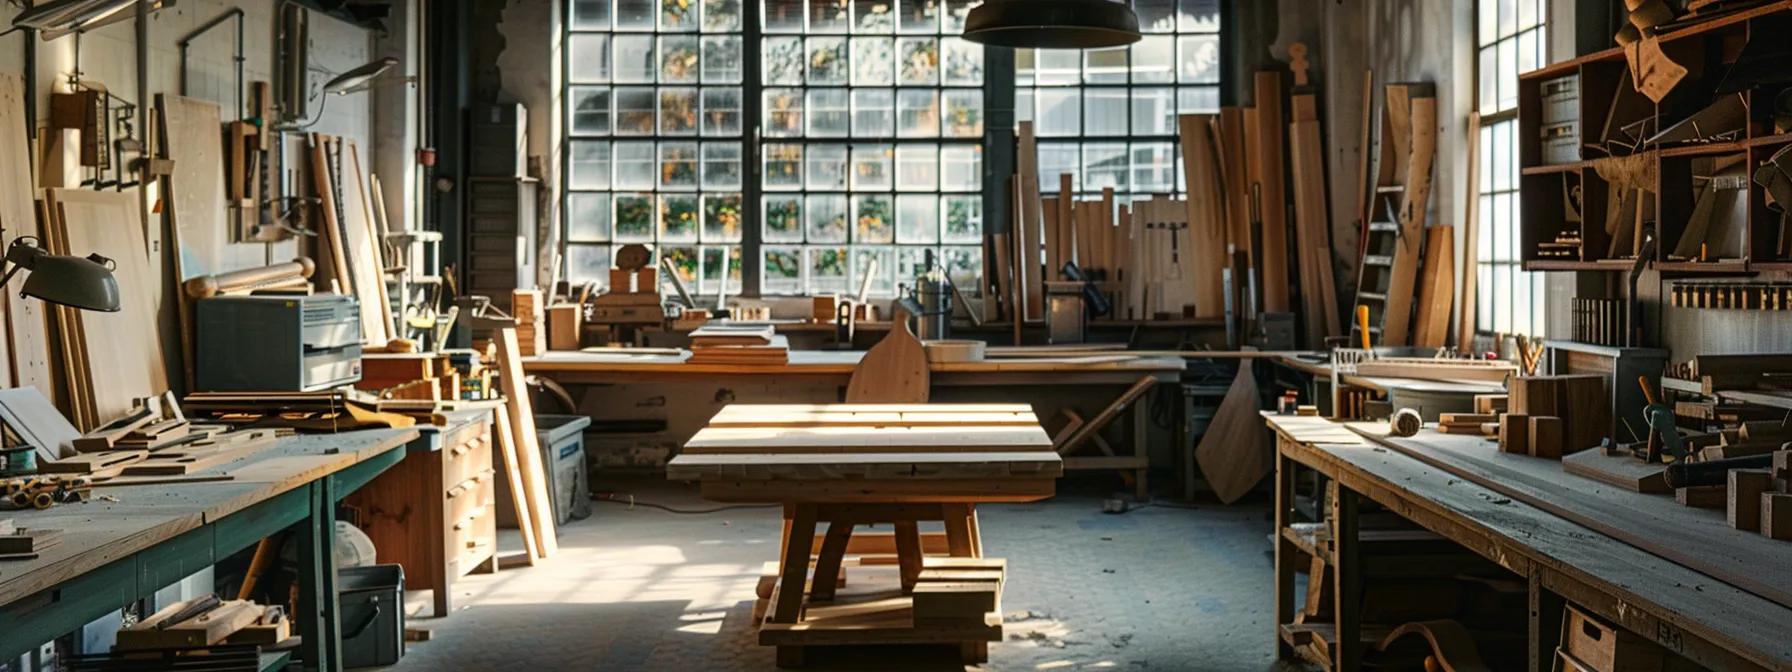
(211, 285)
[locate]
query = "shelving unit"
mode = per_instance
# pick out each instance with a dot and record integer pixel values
(1608, 100)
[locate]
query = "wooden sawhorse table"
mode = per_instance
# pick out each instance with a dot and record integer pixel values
(852, 465)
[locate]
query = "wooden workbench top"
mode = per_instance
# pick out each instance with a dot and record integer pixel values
(98, 532)
(1627, 566)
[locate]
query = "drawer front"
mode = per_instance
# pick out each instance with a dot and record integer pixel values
(466, 455)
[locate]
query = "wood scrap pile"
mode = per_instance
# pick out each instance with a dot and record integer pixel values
(206, 622)
(1718, 373)
(338, 410)
(419, 376)
(734, 345)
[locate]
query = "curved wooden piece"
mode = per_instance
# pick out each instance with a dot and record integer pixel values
(895, 371)
(1451, 644)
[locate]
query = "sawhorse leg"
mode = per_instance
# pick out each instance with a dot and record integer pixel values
(1285, 554)
(1347, 573)
(322, 648)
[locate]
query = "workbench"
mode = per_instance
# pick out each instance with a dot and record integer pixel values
(1690, 613)
(114, 553)
(831, 369)
(850, 465)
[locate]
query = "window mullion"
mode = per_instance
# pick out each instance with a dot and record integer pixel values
(752, 162)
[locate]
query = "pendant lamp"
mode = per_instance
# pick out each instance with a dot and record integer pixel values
(1053, 24)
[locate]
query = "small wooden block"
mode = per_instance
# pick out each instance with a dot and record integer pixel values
(1743, 505)
(1546, 437)
(1466, 418)
(621, 281)
(1776, 515)
(29, 541)
(1703, 496)
(647, 280)
(265, 634)
(941, 562)
(1515, 433)
(1782, 471)
(1491, 404)
(969, 599)
(824, 308)
(213, 626)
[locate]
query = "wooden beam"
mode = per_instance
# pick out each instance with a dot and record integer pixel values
(1273, 196)
(1028, 260)
(1318, 295)
(1437, 289)
(1466, 308)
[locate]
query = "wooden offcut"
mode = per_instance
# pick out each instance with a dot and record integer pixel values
(1545, 437)
(1437, 288)
(1236, 452)
(893, 371)
(1466, 307)
(1776, 516)
(1515, 433)
(1027, 262)
(1743, 504)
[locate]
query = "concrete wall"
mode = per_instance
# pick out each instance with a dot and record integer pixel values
(528, 72)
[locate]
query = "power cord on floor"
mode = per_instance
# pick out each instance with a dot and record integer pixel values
(631, 502)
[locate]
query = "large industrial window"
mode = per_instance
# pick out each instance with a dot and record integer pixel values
(1107, 117)
(654, 118)
(872, 143)
(801, 140)
(1510, 40)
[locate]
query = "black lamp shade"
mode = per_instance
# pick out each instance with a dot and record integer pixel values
(73, 281)
(1053, 24)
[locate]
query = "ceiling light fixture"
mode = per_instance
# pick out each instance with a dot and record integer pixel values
(1053, 24)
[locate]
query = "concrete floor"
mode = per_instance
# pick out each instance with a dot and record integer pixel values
(641, 589)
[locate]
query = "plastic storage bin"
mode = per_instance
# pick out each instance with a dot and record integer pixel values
(562, 439)
(371, 614)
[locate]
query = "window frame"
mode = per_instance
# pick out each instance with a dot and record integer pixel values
(1497, 182)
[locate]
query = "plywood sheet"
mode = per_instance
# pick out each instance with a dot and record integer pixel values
(1236, 452)
(1403, 277)
(123, 349)
(28, 349)
(363, 249)
(1437, 290)
(1274, 198)
(1206, 214)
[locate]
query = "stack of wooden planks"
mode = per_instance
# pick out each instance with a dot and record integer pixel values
(204, 622)
(748, 345)
(109, 359)
(519, 446)
(530, 312)
(325, 411)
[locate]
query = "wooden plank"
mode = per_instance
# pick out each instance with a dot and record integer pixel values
(364, 250)
(1002, 274)
(195, 195)
(123, 348)
(1312, 224)
(1237, 180)
(524, 438)
(1066, 218)
(745, 418)
(784, 466)
(1437, 290)
(1466, 308)
(28, 350)
(712, 440)
(1403, 276)
(332, 258)
(1206, 213)
(1442, 370)
(35, 421)
(1366, 179)
(1053, 263)
(1027, 165)
(1273, 262)
(1694, 538)
(513, 474)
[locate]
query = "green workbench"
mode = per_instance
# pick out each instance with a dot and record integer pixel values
(114, 553)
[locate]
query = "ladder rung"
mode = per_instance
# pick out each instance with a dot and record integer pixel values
(1378, 260)
(1383, 227)
(1391, 189)
(1372, 296)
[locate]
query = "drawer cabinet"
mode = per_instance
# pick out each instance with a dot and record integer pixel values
(435, 512)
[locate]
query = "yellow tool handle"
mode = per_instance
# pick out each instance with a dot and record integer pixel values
(1362, 320)
(1647, 393)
